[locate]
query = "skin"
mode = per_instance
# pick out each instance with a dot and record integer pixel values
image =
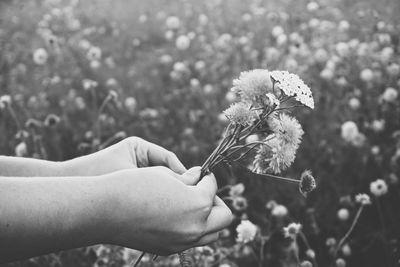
(117, 204)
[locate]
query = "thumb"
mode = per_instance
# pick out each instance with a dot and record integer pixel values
(191, 176)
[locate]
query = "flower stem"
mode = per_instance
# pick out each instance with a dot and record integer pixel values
(344, 238)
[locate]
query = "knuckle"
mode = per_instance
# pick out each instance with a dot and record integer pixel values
(195, 232)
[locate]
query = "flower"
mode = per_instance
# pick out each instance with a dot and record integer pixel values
(173, 23)
(287, 129)
(40, 56)
(89, 84)
(292, 85)
(363, 199)
(354, 103)
(390, 94)
(366, 75)
(21, 149)
(292, 230)
(343, 214)
(346, 250)
(310, 253)
(349, 131)
(240, 113)
(307, 183)
(274, 156)
(273, 100)
(378, 188)
(236, 190)
(306, 264)
(51, 120)
(340, 262)
(4, 101)
(239, 203)
(252, 85)
(279, 211)
(182, 42)
(246, 231)
(94, 53)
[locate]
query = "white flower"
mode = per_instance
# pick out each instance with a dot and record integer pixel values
(236, 190)
(354, 103)
(378, 125)
(327, 74)
(292, 85)
(310, 253)
(367, 75)
(246, 231)
(312, 6)
(21, 149)
(287, 129)
(252, 138)
(182, 42)
(342, 49)
(40, 56)
(252, 85)
(343, 214)
(173, 23)
(273, 100)
(94, 53)
(240, 113)
(349, 131)
(363, 199)
(274, 156)
(292, 230)
(393, 69)
(279, 211)
(378, 188)
(390, 94)
(5, 100)
(276, 31)
(89, 84)
(346, 250)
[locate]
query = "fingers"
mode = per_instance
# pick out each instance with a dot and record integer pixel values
(220, 216)
(208, 185)
(207, 239)
(191, 176)
(151, 154)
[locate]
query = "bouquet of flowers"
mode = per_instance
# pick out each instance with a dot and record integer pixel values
(266, 98)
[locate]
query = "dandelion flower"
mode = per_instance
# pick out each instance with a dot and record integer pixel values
(363, 199)
(310, 253)
(292, 85)
(292, 230)
(366, 75)
(340, 262)
(307, 182)
(306, 264)
(240, 113)
(40, 56)
(378, 188)
(252, 85)
(246, 231)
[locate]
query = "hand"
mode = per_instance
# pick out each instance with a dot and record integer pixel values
(165, 216)
(132, 152)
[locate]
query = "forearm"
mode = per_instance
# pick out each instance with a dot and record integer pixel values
(43, 215)
(29, 167)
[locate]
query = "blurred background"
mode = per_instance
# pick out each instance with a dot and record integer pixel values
(77, 76)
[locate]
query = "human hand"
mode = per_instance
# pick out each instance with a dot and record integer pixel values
(165, 216)
(132, 152)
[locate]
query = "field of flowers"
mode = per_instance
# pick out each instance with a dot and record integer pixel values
(77, 76)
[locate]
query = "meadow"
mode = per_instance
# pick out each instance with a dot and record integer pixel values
(78, 76)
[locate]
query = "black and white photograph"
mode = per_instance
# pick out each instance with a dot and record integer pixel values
(199, 133)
